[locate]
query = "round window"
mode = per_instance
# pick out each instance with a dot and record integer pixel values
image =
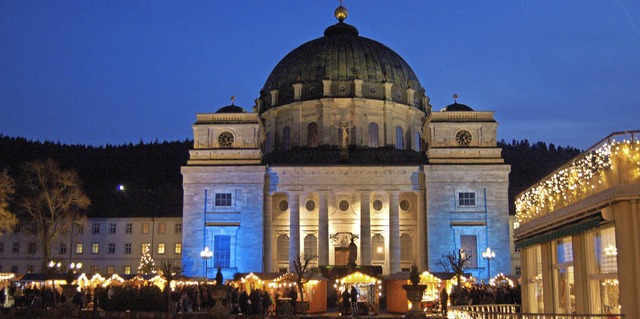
(405, 205)
(225, 139)
(372, 89)
(342, 88)
(283, 205)
(310, 205)
(344, 205)
(377, 205)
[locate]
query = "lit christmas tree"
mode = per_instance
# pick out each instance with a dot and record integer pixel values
(147, 265)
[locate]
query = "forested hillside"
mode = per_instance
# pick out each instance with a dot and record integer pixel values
(150, 172)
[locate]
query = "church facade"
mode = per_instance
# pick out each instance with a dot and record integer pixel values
(342, 145)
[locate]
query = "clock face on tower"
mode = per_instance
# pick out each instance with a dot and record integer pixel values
(463, 137)
(225, 139)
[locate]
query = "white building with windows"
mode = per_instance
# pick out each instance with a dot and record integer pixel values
(101, 245)
(342, 145)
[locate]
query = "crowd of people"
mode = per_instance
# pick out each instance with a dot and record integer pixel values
(484, 294)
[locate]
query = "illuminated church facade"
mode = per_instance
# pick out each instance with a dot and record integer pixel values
(342, 145)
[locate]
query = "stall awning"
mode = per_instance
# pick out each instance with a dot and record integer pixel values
(567, 230)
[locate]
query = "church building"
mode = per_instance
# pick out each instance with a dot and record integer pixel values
(342, 144)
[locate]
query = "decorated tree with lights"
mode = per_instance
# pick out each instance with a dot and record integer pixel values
(147, 265)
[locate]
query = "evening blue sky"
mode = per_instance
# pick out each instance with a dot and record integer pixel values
(96, 72)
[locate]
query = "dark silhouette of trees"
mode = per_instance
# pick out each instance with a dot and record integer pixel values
(302, 273)
(7, 188)
(52, 198)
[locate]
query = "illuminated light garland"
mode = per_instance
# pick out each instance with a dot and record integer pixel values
(576, 180)
(500, 279)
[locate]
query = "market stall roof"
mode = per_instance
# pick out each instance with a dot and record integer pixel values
(264, 276)
(424, 276)
(358, 277)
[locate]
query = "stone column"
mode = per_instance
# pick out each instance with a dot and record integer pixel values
(267, 263)
(394, 233)
(274, 97)
(423, 254)
(365, 228)
(294, 228)
(323, 229)
(297, 91)
(357, 87)
(326, 88)
(627, 223)
(388, 96)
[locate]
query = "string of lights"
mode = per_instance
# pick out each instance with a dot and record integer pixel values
(586, 175)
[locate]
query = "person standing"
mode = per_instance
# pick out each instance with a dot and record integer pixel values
(354, 301)
(444, 299)
(346, 300)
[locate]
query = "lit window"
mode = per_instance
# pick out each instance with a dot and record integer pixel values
(112, 228)
(222, 251)
(126, 270)
(62, 249)
(223, 199)
(96, 228)
(145, 228)
(127, 248)
(111, 270)
(177, 228)
(466, 199)
(128, 228)
(178, 249)
(160, 248)
(112, 248)
(145, 247)
(79, 248)
(162, 228)
(377, 244)
(95, 248)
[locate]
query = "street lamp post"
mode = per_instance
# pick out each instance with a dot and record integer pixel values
(488, 255)
(206, 254)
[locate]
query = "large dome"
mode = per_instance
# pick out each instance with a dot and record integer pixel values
(341, 55)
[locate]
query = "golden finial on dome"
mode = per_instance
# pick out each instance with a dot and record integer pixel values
(341, 12)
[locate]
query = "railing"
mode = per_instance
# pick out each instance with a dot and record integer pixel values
(512, 312)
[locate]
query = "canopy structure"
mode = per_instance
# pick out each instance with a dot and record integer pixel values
(314, 290)
(369, 290)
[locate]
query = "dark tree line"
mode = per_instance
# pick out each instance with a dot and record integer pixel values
(150, 172)
(531, 162)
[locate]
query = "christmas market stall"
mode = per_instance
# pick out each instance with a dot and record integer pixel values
(397, 297)
(368, 289)
(314, 289)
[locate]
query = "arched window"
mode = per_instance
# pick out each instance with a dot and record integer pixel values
(286, 138)
(406, 248)
(267, 143)
(373, 134)
(399, 138)
(310, 246)
(417, 142)
(283, 248)
(377, 245)
(312, 135)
